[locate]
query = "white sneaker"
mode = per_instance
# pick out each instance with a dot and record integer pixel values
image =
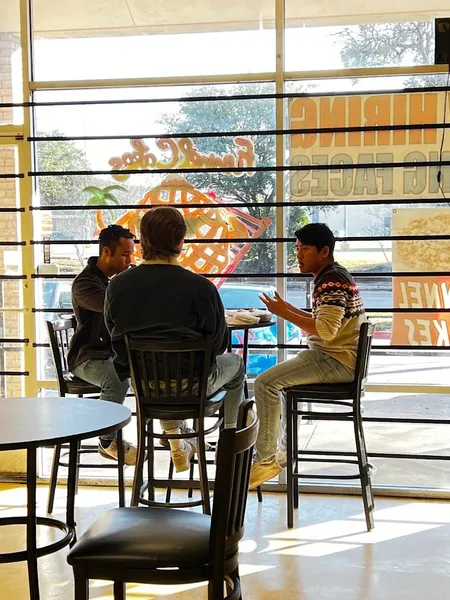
(281, 458)
(181, 457)
(112, 452)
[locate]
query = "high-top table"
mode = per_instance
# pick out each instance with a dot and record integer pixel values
(31, 423)
(245, 327)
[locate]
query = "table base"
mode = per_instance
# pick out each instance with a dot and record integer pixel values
(23, 555)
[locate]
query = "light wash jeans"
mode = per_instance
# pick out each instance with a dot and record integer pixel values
(103, 374)
(229, 374)
(309, 366)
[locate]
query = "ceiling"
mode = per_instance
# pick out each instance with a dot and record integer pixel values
(62, 18)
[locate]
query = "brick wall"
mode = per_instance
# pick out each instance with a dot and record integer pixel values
(11, 355)
(9, 44)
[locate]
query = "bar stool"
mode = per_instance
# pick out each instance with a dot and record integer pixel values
(170, 382)
(169, 547)
(60, 334)
(342, 402)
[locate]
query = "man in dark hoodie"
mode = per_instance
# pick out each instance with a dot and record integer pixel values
(162, 301)
(91, 354)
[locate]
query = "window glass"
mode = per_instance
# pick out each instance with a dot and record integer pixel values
(407, 201)
(257, 190)
(314, 43)
(168, 39)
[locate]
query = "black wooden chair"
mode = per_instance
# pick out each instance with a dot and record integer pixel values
(165, 546)
(341, 402)
(170, 382)
(60, 334)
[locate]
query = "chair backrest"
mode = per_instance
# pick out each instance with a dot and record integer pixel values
(231, 485)
(170, 372)
(60, 333)
(363, 353)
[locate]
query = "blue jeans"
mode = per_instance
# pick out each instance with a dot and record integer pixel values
(309, 366)
(229, 374)
(103, 374)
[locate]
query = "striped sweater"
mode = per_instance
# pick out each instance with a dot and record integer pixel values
(339, 312)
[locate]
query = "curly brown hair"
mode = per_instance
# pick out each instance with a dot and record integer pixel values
(162, 230)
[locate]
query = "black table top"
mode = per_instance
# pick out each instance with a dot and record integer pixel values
(243, 326)
(36, 422)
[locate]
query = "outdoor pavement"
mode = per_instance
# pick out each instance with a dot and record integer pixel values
(380, 437)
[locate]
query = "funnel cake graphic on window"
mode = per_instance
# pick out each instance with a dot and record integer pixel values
(213, 221)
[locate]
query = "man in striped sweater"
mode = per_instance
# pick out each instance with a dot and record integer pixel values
(332, 333)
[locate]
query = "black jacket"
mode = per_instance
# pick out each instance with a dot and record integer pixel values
(91, 339)
(163, 302)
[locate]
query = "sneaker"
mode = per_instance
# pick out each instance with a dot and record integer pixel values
(184, 429)
(112, 452)
(281, 458)
(181, 457)
(261, 473)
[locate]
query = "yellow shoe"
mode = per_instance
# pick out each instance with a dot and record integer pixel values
(181, 457)
(262, 472)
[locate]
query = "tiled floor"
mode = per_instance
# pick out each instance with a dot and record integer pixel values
(328, 556)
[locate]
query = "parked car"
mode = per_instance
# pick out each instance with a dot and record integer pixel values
(57, 294)
(236, 295)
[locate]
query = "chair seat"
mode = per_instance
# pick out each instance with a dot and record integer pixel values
(145, 538)
(325, 391)
(75, 385)
(167, 413)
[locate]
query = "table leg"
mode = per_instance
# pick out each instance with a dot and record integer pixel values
(71, 488)
(120, 469)
(33, 580)
(245, 358)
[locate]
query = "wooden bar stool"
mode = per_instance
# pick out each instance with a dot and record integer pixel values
(60, 334)
(170, 382)
(341, 402)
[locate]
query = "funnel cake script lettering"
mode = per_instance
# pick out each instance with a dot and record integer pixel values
(182, 154)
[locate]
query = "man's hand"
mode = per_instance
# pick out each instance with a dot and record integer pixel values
(276, 305)
(286, 311)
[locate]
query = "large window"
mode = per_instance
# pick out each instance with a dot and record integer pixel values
(132, 103)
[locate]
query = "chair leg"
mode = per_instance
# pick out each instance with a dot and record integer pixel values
(202, 467)
(81, 584)
(137, 481)
(191, 478)
(290, 458)
(364, 454)
(295, 456)
(53, 479)
(366, 485)
(259, 493)
(169, 487)
(216, 585)
(120, 469)
(77, 472)
(119, 590)
(237, 581)
(150, 461)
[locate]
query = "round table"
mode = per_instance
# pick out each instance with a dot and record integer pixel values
(245, 327)
(31, 423)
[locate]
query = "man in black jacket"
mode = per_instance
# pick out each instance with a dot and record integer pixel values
(161, 300)
(91, 355)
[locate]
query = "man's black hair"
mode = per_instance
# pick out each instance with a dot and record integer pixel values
(318, 235)
(110, 237)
